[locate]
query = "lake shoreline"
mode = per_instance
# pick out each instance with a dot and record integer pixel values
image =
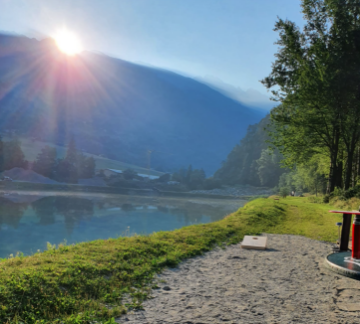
(73, 188)
(28, 220)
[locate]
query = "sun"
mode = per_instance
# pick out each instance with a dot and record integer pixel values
(68, 42)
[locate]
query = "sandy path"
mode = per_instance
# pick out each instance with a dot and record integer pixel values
(286, 284)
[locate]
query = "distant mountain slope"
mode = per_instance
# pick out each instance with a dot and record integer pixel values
(116, 108)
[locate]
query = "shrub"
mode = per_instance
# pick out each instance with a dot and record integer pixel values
(164, 178)
(284, 191)
(129, 174)
(326, 199)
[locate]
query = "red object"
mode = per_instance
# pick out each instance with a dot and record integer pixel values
(345, 231)
(355, 254)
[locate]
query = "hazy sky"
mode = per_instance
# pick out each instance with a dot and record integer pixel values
(230, 40)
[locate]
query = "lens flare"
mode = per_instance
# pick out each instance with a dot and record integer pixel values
(68, 42)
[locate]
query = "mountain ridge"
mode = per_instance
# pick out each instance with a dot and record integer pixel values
(116, 108)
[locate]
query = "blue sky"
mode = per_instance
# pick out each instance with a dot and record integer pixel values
(230, 42)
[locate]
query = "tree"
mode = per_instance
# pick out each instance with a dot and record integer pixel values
(241, 165)
(45, 162)
(1, 155)
(85, 166)
(70, 162)
(309, 177)
(180, 176)
(129, 174)
(197, 179)
(13, 155)
(67, 168)
(269, 169)
(71, 153)
(164, 177)
(65, 172)
(189, 174)
(88, 168)
(317, 72)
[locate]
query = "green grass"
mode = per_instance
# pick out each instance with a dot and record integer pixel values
(102, 279)
(32, 148)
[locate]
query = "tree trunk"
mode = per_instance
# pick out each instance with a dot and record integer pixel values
(354, 168)
(358, 163)
(333, 177)
(350, 159)
(333, 158)
(339, 175)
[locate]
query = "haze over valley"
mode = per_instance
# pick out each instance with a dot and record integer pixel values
(115, 108)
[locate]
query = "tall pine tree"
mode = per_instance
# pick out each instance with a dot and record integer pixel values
(13, 155)
(45, 162)
(1, 155)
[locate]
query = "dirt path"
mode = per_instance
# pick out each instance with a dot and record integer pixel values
(286, 284)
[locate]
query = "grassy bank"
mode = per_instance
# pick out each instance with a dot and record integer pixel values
(102, 279)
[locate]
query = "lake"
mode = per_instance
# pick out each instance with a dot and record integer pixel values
(29, 220)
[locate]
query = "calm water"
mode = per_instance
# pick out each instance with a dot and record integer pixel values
(29, 221)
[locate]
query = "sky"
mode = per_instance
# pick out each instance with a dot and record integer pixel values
(227, 42)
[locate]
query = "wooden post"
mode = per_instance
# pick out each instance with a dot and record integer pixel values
(345, 232)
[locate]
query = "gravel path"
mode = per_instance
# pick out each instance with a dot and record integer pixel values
(288, 283)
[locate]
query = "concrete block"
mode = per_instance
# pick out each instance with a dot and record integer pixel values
(254, 242)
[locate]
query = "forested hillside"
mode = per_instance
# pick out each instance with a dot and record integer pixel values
(256, 161)
(251, 161)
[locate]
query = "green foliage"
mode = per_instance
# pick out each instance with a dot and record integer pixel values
(129, 174)
(342, 194)
(1, 154)
(180, 176)
(307, 177)
(71, 153)
(197, 179)
(326, 199)
(66, 172)
(85, 166)
(13, 156)
(45, 163)
(193, 178)
(189, 174)
(252, 162)
(269, 169)
(165, 177)
(74, 166)
(284, 192)
(316, 72)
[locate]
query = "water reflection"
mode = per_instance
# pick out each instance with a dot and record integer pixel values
(72, 209)
(11, 213)
(27, 222)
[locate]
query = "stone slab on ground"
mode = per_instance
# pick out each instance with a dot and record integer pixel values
(287, 283)
(254, 242)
